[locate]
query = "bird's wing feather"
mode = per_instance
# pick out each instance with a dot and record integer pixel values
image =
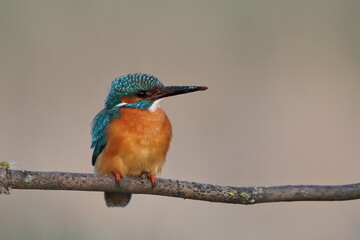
(98, 129)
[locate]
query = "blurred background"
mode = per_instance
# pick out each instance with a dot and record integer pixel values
(282, 108)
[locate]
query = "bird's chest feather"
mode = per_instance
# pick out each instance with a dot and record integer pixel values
(137, 141)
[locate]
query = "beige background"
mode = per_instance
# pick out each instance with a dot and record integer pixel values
(282, 108)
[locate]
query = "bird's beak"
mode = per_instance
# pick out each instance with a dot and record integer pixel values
(176, 90)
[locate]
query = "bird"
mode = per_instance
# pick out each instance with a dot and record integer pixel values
(131, 135)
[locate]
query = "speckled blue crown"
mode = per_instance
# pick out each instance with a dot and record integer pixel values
(130, 84)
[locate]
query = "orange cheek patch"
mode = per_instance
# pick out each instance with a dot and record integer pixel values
(152, 92)
(130, 99)
(155, 90)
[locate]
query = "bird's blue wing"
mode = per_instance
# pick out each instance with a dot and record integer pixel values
(98, 130)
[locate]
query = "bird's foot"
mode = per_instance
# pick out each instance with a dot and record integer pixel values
(152, 180)
(149, 176)
(117, 178)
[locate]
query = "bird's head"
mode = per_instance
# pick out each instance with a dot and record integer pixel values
(142, 91)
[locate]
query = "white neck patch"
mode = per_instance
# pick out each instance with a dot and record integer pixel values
(120, 104)
(155, 105)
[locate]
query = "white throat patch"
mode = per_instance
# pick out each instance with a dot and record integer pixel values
(155, 105)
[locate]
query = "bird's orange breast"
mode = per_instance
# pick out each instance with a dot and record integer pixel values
(138, 141)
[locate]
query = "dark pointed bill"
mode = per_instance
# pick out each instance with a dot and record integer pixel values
(176, 90)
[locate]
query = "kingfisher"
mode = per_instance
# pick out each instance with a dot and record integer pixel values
(131, 135)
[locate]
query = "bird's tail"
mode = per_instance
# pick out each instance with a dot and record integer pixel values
(114, 199)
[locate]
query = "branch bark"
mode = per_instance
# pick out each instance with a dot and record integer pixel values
(21, 179)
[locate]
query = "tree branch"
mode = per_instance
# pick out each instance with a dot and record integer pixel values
(20, 179)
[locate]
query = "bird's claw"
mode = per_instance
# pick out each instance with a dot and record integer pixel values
(149, 176)
(152, 180)
(117, 178)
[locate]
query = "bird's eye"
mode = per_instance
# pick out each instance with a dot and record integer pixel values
(142, 94)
